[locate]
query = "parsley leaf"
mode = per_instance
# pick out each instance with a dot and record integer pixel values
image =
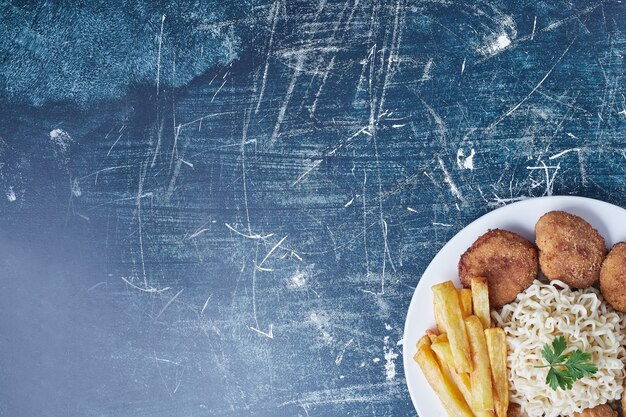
(557, 379)
(579, 366)
(555, 354)
(565, 368)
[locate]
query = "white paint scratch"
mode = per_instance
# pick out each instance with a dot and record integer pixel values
(448, 179)
(168, 303)
(249, 236)
(198, 233)
(427, 68)
(329, 68)
(502, 42)
(11, 194)
(298, 280)
(158, 74)
(76, 192)
(339, 357)
(465, 162)
(276, 246)
(206, 303)
(549, 181)
(145, 289)
(61, 141)
(283, 108)
(390, 357)
(93, 287)
(314, 165)
(545, 77)
(322, 323)
(504, 201)
(560, 154)
(268, 334)
(274, 13)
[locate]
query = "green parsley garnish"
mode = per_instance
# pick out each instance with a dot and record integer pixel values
(565, 368)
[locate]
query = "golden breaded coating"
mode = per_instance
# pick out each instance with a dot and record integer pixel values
(623, 401)
(570, 250)
(603, 410)
(613, 277)
(515, 411)
(505, 259)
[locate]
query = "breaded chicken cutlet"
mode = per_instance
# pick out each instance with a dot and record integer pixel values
(515, 411)
(505, 259)
(613, 277)
(570, 249)
(603, 410)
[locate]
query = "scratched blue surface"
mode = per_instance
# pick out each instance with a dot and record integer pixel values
(223, 208)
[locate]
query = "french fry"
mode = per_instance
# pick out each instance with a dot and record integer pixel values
(441, 338)
(480, 377)
(480, 300)
(447, 298)
(438, 310)
(424, 341)
(496, 347)
(432, 335)
(462, 381)
(465, 296)
(445, 369)
(447, 392)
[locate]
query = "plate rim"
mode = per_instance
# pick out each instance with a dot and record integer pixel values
(407, 356)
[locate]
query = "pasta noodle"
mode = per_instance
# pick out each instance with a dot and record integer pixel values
(535, 318)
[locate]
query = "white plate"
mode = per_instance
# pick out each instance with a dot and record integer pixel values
(519, 217)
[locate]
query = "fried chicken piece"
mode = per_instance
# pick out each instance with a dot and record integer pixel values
(603, 410)
(505, 259)
(515, 410)
(570, 249)
(623, 401)
(613, 277)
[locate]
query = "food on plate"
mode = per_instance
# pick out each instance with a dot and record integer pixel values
(480, 376)
(603, 410)
(480, 300)
(516, 411)
(570, 249)
(566, 349)
(513, 344)
(496, 347)
(461, 380)
(565, 368)
(448, 393)
(465, 296)
(507, 260)
(438, 311)
(613, 277)
(477, 388)
(424, 340)
(432, 335)
(447, 297)
(623, 402)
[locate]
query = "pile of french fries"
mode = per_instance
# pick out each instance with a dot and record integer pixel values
(464, 361)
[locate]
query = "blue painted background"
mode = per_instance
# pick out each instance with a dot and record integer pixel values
(222, 208)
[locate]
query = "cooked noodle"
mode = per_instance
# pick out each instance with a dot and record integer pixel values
(536, 317)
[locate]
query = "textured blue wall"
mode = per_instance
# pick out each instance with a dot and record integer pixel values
(245, 238)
